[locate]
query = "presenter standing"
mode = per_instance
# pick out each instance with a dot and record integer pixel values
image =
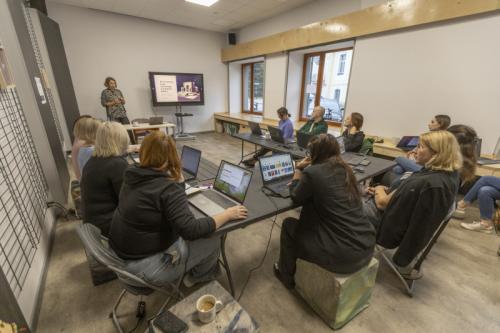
(112, 99)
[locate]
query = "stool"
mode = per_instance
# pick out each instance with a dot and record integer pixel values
(334, 297)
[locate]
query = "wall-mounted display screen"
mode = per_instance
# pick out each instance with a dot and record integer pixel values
(176, 88)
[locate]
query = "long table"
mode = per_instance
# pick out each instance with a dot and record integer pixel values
(262, 206)
(377, 165)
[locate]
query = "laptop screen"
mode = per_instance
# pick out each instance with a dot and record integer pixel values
(408, 142)
(233, 181)
(340, 140)
(190, 159)
(276, 166)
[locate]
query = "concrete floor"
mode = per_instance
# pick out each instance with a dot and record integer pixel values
(460, 290)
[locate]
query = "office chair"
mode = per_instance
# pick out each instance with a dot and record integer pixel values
(416, 263)
(96, 245)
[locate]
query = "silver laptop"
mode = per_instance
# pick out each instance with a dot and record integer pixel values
(340, 140)
(496, 156)
(229, 189)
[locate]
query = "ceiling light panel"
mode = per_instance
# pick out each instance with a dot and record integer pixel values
(206, 3)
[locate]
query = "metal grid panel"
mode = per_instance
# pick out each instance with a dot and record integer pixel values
(23, 192)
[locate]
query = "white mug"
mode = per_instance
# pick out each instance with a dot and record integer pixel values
(207, 307)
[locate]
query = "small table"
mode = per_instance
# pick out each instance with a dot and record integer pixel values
(232, 317)
(146, 126)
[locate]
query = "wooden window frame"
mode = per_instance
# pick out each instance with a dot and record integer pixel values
(251, 111)
(317, 99)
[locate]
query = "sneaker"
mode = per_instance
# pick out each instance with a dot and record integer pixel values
(188, 281)
(477, 226)
(459, 213)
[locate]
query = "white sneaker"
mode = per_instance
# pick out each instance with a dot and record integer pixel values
(477, 226)
(459, 213)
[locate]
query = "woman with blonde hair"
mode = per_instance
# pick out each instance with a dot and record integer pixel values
(407, 214)
(78, 143)
(153, 227)
(103, 175)
(87, 130)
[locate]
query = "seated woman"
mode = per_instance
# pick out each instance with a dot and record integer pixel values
(286, 127)
(332, 230)
(466, 137)
(408, 214)
(88, 131)
(78, 143)
(486, 190)
(153, 227)
(408, 163)
(353, 136)
(103, 175)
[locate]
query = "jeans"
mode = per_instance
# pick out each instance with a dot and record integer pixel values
(486, 190)
(198, 257)
(405, 165)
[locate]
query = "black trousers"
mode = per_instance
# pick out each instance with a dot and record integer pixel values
(288, 249)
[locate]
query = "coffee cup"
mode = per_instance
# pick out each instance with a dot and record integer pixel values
(207, 307)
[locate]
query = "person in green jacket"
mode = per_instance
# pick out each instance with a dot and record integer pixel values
(316, 125)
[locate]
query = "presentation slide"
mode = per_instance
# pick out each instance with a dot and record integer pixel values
(176, 88)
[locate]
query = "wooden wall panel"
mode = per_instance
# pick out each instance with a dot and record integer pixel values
(396, 14)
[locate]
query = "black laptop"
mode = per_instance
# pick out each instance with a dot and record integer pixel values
(303, 139)
(408, 143)
(277, 171)
(255, 127)
(229, 189)
(276, 134)
(190, 160)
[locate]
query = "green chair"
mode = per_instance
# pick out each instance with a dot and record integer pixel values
(336, 298)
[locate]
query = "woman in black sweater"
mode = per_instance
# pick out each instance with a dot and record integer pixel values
(353, 135)
(332, 230)
(407, 214)
(153, 227)
(103, 175)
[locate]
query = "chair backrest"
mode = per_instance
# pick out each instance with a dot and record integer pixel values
(95, 245)
(423, 254)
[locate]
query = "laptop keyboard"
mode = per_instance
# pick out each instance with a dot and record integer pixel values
(218, 199)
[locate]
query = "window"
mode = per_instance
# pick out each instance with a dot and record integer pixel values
(325, 81)
(252, 76)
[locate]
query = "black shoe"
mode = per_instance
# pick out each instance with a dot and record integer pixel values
(277, 273)
(250, 162)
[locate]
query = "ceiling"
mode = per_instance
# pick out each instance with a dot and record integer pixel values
(223, 16)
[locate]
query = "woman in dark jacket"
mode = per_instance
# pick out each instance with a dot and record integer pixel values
(353, 135)
(153, 227)
(332, 230)
(408, 214)
(103, 175)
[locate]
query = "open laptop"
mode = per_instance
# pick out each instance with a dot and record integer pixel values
(255, 127)
(155, 120)
(277, 171)
(408, 143)
(190, 160)
(303, 139)
(340, 140)
(229, 189)
(276, 134)
(496, 155)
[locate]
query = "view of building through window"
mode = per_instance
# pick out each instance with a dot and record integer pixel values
(325, 83)
(253, 87)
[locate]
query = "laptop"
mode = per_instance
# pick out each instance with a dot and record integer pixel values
(190, 160)
(276, 134)
(496, 155)
(408, 143)
(155, 120)
(255, 127)
(303, 139)
(277, 171)
(229, 189)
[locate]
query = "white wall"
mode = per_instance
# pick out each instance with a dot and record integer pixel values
(275, 83)
(100, 44)
(400, 80)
